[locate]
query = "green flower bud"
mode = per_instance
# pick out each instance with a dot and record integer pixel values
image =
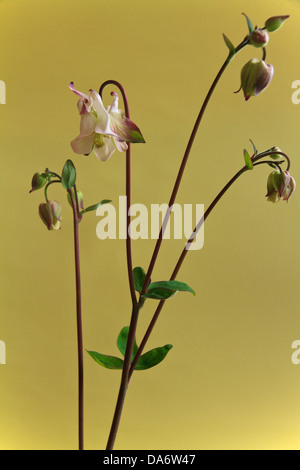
(38, 181)
(274, 23)
(259, 38)
(281, 182)
(276, 156)
(50, 213)
(255, 77)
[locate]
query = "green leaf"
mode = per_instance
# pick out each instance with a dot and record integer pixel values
(109, 362)
(166, 289)
(153, 357)
(95, 206)
(139, 277)
(160, 293)
(248, 161)
(68, 176)
(254, 148)
(229, 44)
(250, 26)
(122, 342)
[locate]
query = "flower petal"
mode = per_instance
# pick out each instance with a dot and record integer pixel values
(127, 130)
(104, 152)
(103, 119)
(83, 144)
(87, 123)
(121, 125)
(78, 93)
(120, 144)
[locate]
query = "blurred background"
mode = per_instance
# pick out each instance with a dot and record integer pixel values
(229, 381)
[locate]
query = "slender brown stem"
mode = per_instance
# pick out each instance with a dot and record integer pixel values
(135, 308)
(128, 188)
(184, 162)
(124, 380)
(185, 251)
(79, 323)
(179, 264)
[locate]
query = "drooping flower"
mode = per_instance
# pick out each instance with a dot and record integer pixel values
(255, 77)
(280, 184)
(103, 130)
(50, 213)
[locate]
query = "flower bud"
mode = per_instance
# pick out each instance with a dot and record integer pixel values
(259, 38)
(50, 213)
(289, 189)
(272, 193)
(275, 156)
(274, 23)
(38, 181)
(79, 198)
(255, 77)
(281, 182)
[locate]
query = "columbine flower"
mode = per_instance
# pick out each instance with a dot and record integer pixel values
(102, 130)
(280, 184)
(255, 77)
(50, 213)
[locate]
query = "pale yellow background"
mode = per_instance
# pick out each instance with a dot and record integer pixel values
(228, 382)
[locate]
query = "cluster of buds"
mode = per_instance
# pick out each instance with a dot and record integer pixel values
(49, 211)
(280, 185)
(256, 74)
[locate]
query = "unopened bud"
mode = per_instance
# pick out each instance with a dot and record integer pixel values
(255, 77)
(274, 23)
(50, 213)
(281, 182)
(289, 189)
(38, 181)
(275, 156)
(259, 38)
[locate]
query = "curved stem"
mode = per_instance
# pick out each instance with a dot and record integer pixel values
(79, 322)
(185, 158)
(135, 307)
(179, 264)
(255, 161)
(128, 189)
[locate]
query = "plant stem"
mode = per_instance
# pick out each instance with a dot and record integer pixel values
(128, 189)
(185, 158)
(255, 161)
(78, 320)
(135, 307)
(179, 264)
(124, 379)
